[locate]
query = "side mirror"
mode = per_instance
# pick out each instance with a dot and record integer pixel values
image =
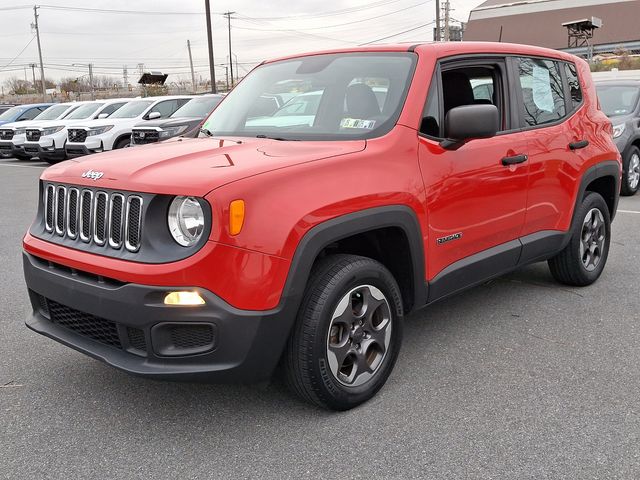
(103, 115)
(469, 122)
(154, 115)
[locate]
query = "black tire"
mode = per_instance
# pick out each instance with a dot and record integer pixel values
(569, 265)
(630, 183)
(122, 143)
(308, 368)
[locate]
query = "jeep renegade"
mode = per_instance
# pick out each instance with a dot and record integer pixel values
(301, 240)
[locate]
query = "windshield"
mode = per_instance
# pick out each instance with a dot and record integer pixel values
(12, 113)
(52, 113)
(319, 97)
(84, 111)
(132, 109)
(197, 107)
(617, 99)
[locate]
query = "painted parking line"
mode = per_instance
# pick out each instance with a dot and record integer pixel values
(629, 211)
(22, 166)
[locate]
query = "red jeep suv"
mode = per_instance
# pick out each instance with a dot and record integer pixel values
(382, 179)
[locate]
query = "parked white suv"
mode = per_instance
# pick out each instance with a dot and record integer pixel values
(46, 139)
(115, 132)
(13, 135)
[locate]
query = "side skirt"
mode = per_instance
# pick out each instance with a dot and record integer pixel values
(494, 262)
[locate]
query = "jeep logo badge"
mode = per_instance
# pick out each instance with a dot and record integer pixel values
(93, 175)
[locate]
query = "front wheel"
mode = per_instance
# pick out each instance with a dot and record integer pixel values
(347, 335)
(124, 143)
(583, 259)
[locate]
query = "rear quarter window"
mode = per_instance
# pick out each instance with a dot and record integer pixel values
(543, 98)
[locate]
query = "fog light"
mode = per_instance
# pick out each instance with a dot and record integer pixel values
(184, 298)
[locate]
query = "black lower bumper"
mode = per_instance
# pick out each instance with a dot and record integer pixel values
(54, 155)
(75, 151)
(13, 151)
(129, 327)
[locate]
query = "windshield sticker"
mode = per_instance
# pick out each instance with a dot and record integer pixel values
(357, 123)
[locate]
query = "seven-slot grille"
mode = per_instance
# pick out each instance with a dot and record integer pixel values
(33, 134)
(77, 135)
(6, 134)
(98, 217)
(142, 137)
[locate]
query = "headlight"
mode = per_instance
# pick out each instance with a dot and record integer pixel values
(186, 220)
(99, 130)
(51, 130)
(618, 130)
(172, 131)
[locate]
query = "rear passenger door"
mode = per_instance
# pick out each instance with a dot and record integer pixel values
(476, 197)
(548, 95)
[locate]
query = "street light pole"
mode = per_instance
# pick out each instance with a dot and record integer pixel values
(193, 75)
(210, 40)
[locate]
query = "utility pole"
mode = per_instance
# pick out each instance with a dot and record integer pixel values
(44, 88)
(228, 15)
(193, 74)
(447, 20)
(93, 94)
(210, 41)
(438, 37)
(33, 71)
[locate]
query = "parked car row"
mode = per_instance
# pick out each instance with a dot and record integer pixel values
(55, 132)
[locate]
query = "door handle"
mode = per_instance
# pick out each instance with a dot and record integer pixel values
(578, 145)
(514, 160)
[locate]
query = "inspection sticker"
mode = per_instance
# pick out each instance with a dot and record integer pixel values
(357, 123)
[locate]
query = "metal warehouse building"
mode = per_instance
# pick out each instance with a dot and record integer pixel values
(539, 22)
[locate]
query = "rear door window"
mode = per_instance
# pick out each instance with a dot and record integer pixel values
(574, 84)
(542, 91)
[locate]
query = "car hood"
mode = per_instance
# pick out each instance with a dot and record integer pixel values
(169, 122)
(193, 166)
(620, 119)
(25, 124)
(101, 122)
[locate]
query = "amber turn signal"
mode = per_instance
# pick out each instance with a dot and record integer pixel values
(236, 216)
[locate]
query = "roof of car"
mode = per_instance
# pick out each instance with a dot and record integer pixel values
(627, 82)
(444, 49)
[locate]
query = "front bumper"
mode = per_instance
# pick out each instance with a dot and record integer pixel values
(44, 150)
(91, 145)
(245, 345)
(8, 149)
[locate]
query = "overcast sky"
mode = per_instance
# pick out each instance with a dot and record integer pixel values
(260, 29)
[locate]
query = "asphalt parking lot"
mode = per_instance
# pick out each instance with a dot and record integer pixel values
(519, 378)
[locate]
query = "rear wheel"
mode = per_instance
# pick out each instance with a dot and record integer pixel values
(347, 335)
(631, 172)
(583, 259)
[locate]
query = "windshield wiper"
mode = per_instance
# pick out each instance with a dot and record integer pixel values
(206, 132)
(280, 139)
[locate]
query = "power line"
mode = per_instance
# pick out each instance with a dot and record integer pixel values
(21, 52)
(398, 34)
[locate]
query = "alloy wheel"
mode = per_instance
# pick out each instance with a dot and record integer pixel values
(633, 175)
(592, 239)
(359, 335)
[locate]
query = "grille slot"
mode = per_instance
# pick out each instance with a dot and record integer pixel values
(100, 218)
(6, 134)
(145, 136)
(49, 198)
(116, 217)
(104, 219)
(87, 325)
(133, 223)
(33, 134)
(72, 213)
(86, 204)
(61, 197)
(78, 135)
